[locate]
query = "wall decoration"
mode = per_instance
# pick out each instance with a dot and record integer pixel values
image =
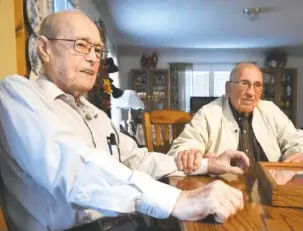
(149, 61)
(275, 58)
(104, 89)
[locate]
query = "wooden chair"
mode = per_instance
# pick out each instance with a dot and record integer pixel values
(3, 226)
(168, 124)
(3, 213)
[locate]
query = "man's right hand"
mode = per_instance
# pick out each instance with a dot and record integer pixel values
(217, 199)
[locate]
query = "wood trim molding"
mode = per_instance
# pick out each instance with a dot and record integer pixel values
(21, 37)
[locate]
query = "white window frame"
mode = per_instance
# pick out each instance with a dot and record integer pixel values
(60, 5)
(212, 70)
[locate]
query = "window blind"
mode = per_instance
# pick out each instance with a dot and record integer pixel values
(206, 80)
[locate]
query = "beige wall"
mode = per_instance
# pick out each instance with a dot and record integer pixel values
(8, 60)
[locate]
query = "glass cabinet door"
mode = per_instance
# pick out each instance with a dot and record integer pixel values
(287, 94)
(152, 86)
(159, 90)
(140, 85)
(280, 87)
(269, 90)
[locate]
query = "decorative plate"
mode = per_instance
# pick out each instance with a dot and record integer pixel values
(33, 54)
(34, 14)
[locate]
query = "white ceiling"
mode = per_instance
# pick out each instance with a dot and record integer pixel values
(204, 23)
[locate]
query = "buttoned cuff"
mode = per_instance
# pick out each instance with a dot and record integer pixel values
(203, 169)
(157, 199)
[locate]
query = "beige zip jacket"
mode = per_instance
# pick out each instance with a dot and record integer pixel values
(214, 129)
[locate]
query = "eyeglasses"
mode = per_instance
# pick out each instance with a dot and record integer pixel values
(82, 46)
(245, 84)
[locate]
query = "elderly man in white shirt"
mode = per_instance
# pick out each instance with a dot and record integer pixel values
(64, 166)
(239, 121)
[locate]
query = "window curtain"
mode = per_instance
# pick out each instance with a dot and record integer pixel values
(179, 72)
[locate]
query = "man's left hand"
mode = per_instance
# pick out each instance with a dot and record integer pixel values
(222, 163)
(294, 158)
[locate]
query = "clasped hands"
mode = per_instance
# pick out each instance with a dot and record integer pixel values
(190, 160)
(217, 198)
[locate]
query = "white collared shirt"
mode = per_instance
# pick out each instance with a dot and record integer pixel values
(58, 168)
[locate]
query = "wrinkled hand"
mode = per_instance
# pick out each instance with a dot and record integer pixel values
(222, 163)
(295, 158)
(217, 199)
(189, 160)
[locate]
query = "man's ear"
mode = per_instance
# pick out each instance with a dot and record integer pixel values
(43, 49)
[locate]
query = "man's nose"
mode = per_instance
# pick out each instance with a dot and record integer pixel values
(251, 90)
(91, 56)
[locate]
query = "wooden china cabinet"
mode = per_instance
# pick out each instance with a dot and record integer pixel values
(152, 86)
(280, 87)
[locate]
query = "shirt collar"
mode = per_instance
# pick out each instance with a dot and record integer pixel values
(53, 92)
(50, 89)
(87, 107)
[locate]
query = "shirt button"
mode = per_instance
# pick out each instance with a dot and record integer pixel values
(88, 117)
(246, 150)
(244, 131)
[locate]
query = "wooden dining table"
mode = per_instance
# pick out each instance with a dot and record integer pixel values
(257, 214)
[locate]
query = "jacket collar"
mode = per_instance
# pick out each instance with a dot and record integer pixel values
(238, 115)
(260, 128)
(228, 115)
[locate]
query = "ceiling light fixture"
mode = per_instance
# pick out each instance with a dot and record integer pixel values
(252, 14)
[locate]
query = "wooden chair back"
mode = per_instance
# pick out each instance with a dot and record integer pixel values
(3, 225)
(3, 213)
(168, 124)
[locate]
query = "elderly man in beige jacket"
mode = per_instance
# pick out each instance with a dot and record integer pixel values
(238, 121)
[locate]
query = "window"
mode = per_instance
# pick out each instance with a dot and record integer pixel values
(206, 80)
(220, 78)
(196, 84)
(59, 5)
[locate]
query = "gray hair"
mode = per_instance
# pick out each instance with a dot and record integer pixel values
(238, 67)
